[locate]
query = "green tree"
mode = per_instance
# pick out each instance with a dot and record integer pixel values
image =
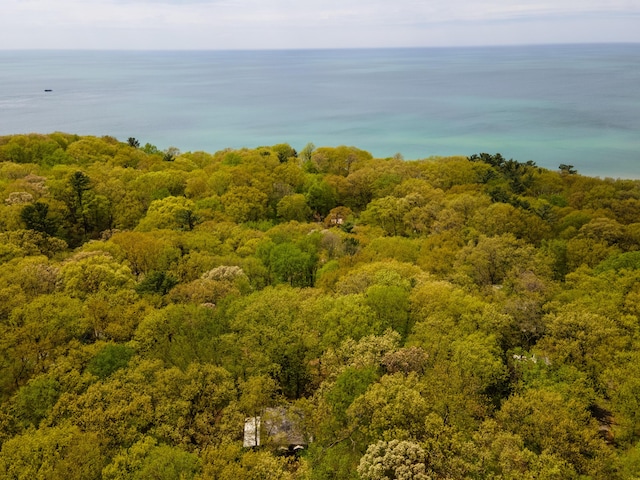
(321, 198)
(36, 334)
(89, 273)
(182, 408)
(387, 213)
(179, 335)
(145, 459)
(394, 408)
(114, 314)
(348, 316)
(624, 389)
(244, 204)
(549, 423)
(257, 393)
(36, 217)
(567, 169)
(55, 452)
(186, 219)
(80, 183)
(229, 462)
(307, 152)
(146, 252)
(493, 259)
(284, 152)
(156, 282)
(110, 358)
(391, 305)
(33, 401)
(293, 207)
(338, 160)
(292, 265)
(583, 339)
(349, 385)
(169, 212)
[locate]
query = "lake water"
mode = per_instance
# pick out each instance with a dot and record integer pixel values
(578, 105)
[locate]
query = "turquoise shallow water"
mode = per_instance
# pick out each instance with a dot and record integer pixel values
(578, 105)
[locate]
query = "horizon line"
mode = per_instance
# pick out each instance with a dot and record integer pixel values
(275, 49)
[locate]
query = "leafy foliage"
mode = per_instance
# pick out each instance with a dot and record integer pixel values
(463, 317)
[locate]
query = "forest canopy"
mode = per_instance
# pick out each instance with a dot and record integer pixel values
(461, 317)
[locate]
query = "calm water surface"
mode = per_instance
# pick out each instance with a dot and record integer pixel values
(552, 104)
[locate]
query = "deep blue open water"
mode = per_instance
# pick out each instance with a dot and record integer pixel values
(578, 104)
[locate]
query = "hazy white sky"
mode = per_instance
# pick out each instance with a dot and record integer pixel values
(258, 24)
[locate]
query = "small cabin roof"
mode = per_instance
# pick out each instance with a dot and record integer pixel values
(279, 425)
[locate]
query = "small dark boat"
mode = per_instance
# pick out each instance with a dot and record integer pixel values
(48, 90)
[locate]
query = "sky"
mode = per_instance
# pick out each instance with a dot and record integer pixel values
(294, 24)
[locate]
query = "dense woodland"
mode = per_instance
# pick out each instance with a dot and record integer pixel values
(447, 318)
